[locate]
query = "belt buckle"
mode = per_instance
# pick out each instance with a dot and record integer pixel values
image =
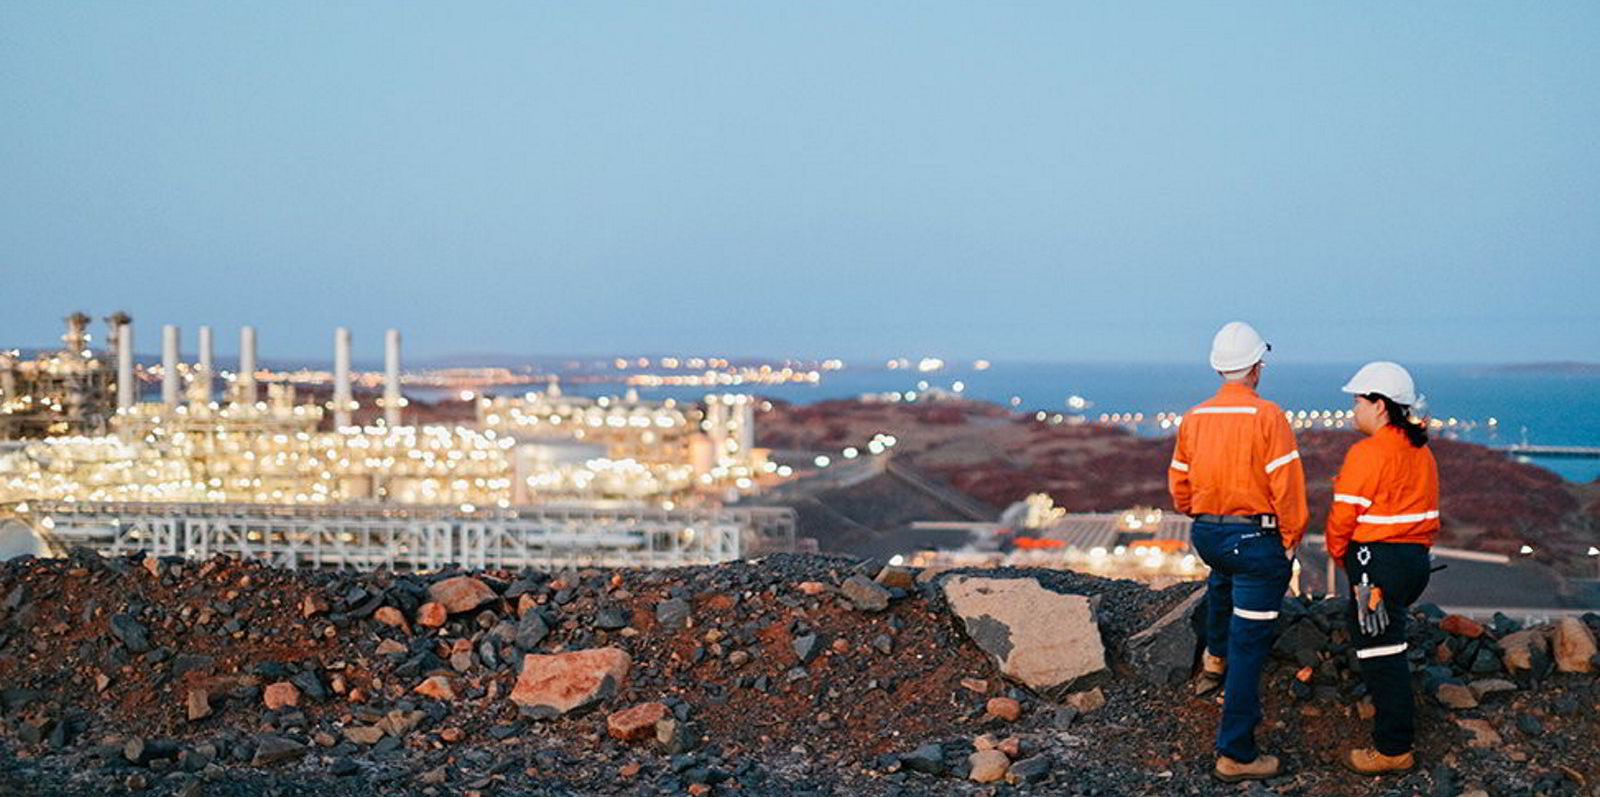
(1269, 521)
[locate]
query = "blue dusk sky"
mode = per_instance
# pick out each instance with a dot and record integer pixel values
(1019, 181)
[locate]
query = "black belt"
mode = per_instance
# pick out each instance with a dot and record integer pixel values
(1266, 521)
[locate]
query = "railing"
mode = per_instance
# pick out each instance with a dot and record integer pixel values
(420, 537)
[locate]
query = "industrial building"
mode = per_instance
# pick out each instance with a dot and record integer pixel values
(92, 464)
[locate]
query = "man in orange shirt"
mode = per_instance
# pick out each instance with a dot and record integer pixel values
(1237, 472)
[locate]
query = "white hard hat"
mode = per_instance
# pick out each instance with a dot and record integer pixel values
(1386, 379)
(1236, 347)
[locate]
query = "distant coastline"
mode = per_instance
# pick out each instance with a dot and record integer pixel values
(1547, 369)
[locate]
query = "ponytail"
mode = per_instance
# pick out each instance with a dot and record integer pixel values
(1400, 418)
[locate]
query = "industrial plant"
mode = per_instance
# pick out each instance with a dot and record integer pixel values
(542, 478)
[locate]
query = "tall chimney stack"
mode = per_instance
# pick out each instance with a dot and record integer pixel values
(341, 377)
(127, 391)
(245, 381)
(392, 398)
(203, 367)
(169, 365)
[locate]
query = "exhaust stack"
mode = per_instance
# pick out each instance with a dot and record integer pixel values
(341, 378)
(245, 381)
(202, 376)
(169, 365)
(120, 341)
(392, 398)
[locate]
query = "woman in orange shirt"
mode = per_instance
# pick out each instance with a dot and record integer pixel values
(1384, 516)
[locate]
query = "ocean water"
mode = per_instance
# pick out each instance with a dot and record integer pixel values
(1540, 407)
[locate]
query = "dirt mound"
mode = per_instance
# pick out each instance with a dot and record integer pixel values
(1489, 502)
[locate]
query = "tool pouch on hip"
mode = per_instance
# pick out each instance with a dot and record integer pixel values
(1370, 612)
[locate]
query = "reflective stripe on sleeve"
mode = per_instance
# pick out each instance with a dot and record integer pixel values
(1351, 499)
(1390, 520)
(1283, 460)
(1381, 650)
(1250, 614)
(1176, 465)
(1223, 411)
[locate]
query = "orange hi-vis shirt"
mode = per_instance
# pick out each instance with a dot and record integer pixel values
(1386, 491)
(1236, 456)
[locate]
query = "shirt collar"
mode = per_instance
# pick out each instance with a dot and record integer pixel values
(1235, 389)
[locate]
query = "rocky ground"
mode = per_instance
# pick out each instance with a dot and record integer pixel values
(791, 675)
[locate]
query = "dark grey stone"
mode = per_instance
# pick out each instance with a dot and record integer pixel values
(927, 759)
(130, 633)
(271, 749)
(673, 612)
(1164, 653)
(806, 647)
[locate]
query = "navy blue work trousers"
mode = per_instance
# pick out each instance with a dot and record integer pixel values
(1401, 570)
(1249, 574)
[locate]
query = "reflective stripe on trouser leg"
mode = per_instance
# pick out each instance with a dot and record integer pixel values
(1380, 650)
(1252, 614)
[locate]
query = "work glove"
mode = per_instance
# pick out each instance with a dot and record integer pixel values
(1370, 614)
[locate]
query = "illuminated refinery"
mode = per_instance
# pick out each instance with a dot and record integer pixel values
(82, 439)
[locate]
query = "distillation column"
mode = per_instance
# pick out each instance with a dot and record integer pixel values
(341, 378)
(392, 398)
(169, 365)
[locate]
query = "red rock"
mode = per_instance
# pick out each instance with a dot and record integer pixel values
(1011, 746)
(524, 603)
(629, 769)
(565, 681)
(436, 687)
(389, 646)
(199, 704)
(812, 587)
(1461, 626)
(638, 722)
(461, 594)
(390, 616)
(451, 735)
(1086, 702)
(699, 789)
(364, 734)
(313, 605)
(280, 694)
(894, 576)
(1574, 646)
(988, 766)
(1004, 708)
(432, 615)
(978, 685)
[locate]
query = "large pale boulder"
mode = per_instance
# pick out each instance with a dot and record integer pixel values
(1574, 646)
(1046, 640)
(564, 682)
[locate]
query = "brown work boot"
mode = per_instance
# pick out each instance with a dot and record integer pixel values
(1368, 761)
(1212, 670)
(1231, 771)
